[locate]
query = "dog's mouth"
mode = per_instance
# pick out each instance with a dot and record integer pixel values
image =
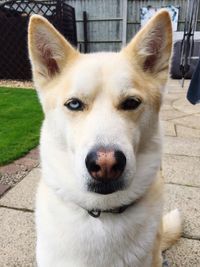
(105, 187)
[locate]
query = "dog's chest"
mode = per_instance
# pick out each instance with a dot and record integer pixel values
(109, 243)
(76, 239)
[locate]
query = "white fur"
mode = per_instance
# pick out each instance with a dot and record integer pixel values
(66, 234)
(172, 227)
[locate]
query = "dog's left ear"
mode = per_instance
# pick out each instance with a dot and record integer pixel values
(150, 49)
(49, 51)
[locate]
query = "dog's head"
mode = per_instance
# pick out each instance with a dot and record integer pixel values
(100, 142)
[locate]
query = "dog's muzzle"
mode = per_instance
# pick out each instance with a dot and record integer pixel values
(105, 166)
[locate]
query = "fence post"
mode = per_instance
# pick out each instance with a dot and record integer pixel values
(124, 22)
(85, 35)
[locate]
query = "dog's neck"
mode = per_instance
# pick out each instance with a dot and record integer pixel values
(97, 212)
(157, 184)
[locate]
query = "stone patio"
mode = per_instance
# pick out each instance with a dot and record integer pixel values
(181, 170)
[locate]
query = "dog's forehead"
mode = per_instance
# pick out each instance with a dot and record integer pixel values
(100, 71)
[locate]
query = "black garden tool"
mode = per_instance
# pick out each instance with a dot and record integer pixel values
(187, 44)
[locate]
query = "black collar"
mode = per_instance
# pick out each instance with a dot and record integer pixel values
(96, 212)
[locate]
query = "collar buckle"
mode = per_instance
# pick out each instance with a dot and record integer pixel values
(94, 213)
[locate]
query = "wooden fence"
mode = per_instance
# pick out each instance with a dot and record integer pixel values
(111, 23)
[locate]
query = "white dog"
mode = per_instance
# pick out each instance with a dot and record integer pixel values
(99, 203)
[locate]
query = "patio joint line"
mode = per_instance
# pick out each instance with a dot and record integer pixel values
(181, 155)
(183, 116)
(193, 186)
(185, 126)
(175, 129)
(190, 237)
(17, 209)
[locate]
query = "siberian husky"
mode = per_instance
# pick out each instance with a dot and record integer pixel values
(100, 200)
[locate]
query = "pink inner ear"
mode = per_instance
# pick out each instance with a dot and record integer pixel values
(50, 62)
(155, 40)
(46, 55)
(149, 62)
(153, 47)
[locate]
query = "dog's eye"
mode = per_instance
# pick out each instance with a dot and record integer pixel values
(130, 103)
(74, 104)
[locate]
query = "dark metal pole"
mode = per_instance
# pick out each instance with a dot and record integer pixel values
(58, 14)
(85, 35)
(187, 45)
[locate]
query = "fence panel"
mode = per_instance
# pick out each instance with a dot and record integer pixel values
(14, 17)
(104, 23)
(105, 20)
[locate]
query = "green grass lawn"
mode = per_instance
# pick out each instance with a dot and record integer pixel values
(20, 122)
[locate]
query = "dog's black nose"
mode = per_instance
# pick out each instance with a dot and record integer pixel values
(105, 164)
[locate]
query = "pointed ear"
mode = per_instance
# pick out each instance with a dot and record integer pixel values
(150, 49)
(49, 52)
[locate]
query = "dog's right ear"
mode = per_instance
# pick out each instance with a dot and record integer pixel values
(49, 52)
(151, 48)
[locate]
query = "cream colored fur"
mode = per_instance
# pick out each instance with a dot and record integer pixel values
(66, 234)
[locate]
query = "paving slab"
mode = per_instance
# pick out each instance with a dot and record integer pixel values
(181, 146)
(17, 238)
(181, 170)
(185, 106)
(176, 89)
(183, 131)
(170, 98)
(168, 128)
(177, 84)
(185, 253)
(187, 200)
(23, 194)
(166, 107)
(192, 121)
(171, 114)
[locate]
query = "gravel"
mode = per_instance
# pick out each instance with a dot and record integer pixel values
(15, 83)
